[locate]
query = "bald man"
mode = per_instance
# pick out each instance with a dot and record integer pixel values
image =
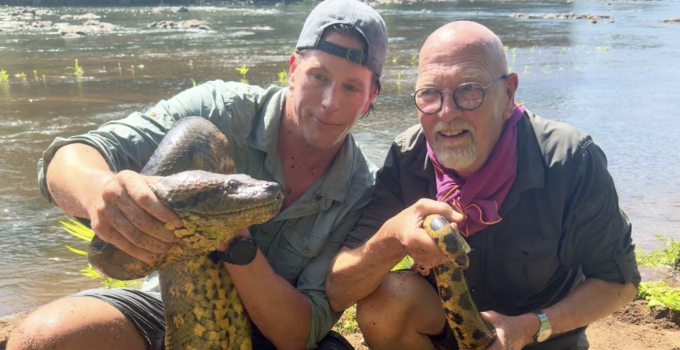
(551, 249)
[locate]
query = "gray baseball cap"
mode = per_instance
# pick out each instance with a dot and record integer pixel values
(355, 14)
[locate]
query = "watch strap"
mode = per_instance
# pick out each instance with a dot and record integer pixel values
(544, 329)
(227, 256)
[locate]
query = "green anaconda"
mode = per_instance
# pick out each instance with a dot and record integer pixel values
(202, 308)
(472, 332)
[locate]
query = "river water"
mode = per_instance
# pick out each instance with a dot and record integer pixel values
(618, 81)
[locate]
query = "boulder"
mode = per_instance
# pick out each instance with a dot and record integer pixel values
(672, 20)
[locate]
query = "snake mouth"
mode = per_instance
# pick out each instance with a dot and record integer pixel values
(262, 207)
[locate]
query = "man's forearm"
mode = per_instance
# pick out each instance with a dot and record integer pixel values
(281, 312)
(355, 273)
(73, 176)
(589, 302)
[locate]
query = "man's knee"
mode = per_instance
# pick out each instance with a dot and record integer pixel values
(404, 303)
(75, 323)
(383, 311)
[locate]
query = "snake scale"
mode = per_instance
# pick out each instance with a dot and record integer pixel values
(472, 332)
(202, 309)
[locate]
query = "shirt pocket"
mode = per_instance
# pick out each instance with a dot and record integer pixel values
(527, 262)
(297, 248)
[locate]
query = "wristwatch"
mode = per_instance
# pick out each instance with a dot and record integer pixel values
(544, 330)
(241, 252)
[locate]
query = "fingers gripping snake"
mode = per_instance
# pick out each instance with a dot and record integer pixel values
(472, 332)
(202, 308)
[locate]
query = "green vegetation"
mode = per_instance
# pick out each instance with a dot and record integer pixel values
(4, 77)
(283, 77)
(243, 70)
(78, 70)
(658, 293)
(348, 322)
(668, 256)
(78, 230)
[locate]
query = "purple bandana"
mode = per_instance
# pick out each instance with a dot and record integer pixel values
(482, 194)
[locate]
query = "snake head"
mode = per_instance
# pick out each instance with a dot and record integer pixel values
(208, 199)
(449, 240)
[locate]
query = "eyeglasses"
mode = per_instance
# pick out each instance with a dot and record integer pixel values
(467, 96)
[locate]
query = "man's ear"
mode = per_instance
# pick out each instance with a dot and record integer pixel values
(511, 84)
(374, 92)
(292, 64)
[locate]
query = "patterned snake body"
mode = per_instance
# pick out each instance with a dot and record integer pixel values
(202, 308)
(472, 332)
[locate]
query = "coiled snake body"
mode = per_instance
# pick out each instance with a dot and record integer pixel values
(202, 308)
(472, 332)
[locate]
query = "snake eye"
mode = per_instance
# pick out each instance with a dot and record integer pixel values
(232, 185)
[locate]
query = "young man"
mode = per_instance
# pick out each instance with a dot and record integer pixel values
(298, 137)
(551, 249)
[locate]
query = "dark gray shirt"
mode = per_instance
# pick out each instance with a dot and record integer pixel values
(561, 220)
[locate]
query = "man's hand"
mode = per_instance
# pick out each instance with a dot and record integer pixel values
(512, 333)
(222, 246)
(407, 227)
(129, 215)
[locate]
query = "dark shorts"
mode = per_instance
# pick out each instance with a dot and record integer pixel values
(145, 310)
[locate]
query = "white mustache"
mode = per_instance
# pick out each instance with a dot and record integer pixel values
(455, 126)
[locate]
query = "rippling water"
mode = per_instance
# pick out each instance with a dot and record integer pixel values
(618, 81)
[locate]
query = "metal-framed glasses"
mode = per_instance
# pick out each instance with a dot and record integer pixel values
(467, 96)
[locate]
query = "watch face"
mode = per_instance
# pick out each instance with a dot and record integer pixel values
(242, 251)
(542, 336)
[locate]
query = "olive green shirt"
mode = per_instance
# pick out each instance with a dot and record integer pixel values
(301, 240)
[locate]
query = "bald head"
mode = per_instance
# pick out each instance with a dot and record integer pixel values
(463, 40)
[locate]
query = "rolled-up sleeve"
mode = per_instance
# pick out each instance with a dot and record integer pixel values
(598, 231)
(128, 143)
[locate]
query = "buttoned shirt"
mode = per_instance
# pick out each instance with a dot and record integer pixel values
(561, 221)
(301, 240)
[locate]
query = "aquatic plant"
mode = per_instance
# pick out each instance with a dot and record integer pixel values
(78, 230)
(21, 75)
(668, 255)
(35, 75)
(243, 70)
(395, 59)
(283, 77)
(414, 60)
(658, 293)
(77, 69)
(399, 80)
(4, 77)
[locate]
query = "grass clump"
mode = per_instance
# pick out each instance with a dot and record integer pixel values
(348, 322)
(668, 256)
(658, 293)
(4, 77)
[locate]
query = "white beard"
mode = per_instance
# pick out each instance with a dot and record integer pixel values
(454, 158)
(457, 158)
